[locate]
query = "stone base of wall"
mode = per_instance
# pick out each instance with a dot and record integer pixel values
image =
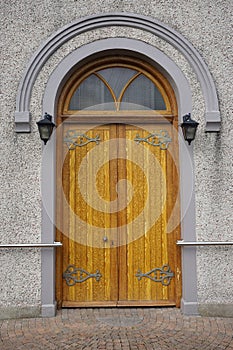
(19, 312)
(209, 310)
(216, 310)
(188, 307)
(49, 310)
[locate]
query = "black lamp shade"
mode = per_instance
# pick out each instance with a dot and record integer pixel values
(45, 127)
(189, 128)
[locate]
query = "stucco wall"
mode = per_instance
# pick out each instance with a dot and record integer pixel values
(25, 25)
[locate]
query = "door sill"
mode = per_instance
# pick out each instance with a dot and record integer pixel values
(121, 303)
(89, 304)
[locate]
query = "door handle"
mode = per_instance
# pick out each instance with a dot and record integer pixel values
(105, 240)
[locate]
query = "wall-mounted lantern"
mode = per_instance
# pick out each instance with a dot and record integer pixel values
(45, 127)
(189, 128)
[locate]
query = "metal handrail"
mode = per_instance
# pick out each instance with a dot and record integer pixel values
(32, 245)
(201, 243)
(59, 244)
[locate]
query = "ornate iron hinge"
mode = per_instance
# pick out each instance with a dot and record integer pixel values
(159, 274)
(160, 138)
(75, 139)
(74, 275)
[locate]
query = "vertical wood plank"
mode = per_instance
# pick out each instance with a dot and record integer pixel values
(122, 216)
(66, 224)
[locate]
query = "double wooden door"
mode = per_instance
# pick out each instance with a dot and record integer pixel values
(117, 191)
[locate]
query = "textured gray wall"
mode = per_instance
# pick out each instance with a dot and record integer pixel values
(25, 25)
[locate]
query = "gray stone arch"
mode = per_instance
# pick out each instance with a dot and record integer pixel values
(152, 25)
(184, 99)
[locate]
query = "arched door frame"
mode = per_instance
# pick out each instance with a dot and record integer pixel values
(184, 100)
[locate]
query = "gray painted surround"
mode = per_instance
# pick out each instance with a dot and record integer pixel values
(184, 100)
(157, 28)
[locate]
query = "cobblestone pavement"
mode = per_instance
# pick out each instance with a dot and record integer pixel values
(118, 328)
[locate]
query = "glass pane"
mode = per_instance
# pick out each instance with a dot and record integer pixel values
(142, 94)
(92, 94)
(117, 78)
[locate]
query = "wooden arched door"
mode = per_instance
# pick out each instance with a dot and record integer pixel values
(117, 187)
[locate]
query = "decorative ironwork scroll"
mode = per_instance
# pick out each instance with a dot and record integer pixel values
(74, 275)
(163, 275)
(160, 138)
(75, 139)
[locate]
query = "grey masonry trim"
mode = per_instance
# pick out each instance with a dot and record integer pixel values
(16, 311)
(152, 25)
(184, 100)
(216, 309)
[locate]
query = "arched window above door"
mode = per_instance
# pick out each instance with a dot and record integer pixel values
(117, 88)
(117, 85)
